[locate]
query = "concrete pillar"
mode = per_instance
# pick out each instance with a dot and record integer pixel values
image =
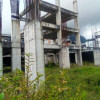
(79, 58)
(54, 58)
(57, 59)
(96, 42)
(64, 52)
(59, 32)
(34, 45)
(45, 58)
(1, 61)
(76, 58)
(58, 22)
(64, 58)
(78, 43)
(16, 47)
(96, 57)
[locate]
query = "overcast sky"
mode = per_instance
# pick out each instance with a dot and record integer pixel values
(89, 14)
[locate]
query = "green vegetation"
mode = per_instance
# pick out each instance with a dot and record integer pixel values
(61, 84)
(86, 78)
(2, 96)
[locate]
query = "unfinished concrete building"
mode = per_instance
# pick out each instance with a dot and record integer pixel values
(51, 26)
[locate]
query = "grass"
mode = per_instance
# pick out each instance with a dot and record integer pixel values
(77, 83)
(87, 77)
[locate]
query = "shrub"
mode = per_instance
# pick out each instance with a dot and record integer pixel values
(17, 86)
(2, 96)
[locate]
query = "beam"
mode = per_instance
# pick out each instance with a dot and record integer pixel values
(67, 12)
(50, 26)
(47, 7)
(52, 47)
(24, 12)
(68, 29)
(46, 16)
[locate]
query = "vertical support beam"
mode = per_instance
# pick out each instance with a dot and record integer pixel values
(55, 59)
(64, 55)
(58, 22)
(78, 43)
(16, 48)
(76, 57)
(96, 57)
(1, 51)
(1, 60)
(34, 45)
(64, 52)
(45, 58)
(59, 32)
(36, 9)
(39, 49)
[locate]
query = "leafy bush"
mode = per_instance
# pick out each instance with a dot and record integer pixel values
(2, 96)
(17, 86)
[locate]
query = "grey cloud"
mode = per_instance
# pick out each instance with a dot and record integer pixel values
(89, 14)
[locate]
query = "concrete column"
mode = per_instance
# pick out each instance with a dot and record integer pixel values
(96, 42)
(78, 43)
(64, 52)
(59, 32)
(76, 58)
(79, 58)
(96, 57)
(57, 59)
(64, 58)
(1, 61)
(64, 61)
(16, 48)
(58, 22)
(45, 57)
(54, 58)
(34, 45)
